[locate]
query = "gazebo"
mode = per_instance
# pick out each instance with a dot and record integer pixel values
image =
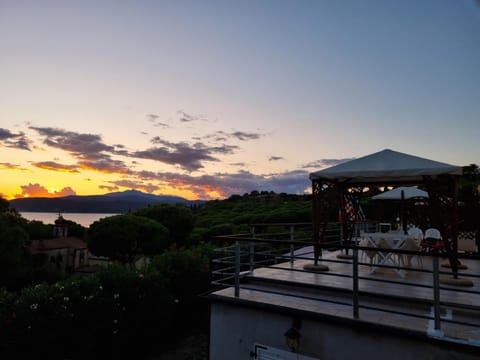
(332, 186)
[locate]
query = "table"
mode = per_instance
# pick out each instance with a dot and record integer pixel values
(389, 240)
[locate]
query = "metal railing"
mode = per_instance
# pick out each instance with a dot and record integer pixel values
(278, 246)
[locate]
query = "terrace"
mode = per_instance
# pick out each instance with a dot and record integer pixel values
(350, 296)
(267, 267)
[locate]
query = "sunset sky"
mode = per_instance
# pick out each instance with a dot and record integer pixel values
(205, 99)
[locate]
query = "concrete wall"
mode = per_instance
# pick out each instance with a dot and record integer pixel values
(235, 329)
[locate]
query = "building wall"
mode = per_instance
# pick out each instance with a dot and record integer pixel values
(235, 330)
(53, 260)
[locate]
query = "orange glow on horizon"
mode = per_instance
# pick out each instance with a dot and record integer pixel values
(82, 188)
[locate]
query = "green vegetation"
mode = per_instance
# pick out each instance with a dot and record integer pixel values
(119, 312)
(13, 238)
(122, 237)
(233, 215)
(177, 219)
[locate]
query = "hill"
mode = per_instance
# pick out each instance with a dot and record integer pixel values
(116, 202)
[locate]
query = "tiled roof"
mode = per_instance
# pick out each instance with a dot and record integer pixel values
(70, 242)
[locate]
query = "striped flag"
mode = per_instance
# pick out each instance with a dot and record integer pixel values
(353, 210)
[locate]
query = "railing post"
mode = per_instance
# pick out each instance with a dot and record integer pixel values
(237, 269)
(436, 293)
(292, 238)
(355, 283)
(251, 255)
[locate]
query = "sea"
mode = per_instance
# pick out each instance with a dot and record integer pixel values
(84, 219)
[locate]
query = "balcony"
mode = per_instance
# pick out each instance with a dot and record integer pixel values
(266, 268)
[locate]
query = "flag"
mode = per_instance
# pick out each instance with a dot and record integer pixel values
(353, 210)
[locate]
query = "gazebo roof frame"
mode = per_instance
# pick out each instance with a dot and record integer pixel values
(386, 167)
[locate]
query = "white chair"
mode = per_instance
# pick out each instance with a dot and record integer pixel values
(432, 241)
(371, 255)
(416, 234)
(433, 234)
(412, 244)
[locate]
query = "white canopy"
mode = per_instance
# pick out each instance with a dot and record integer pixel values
(409, 192)
(386, 166)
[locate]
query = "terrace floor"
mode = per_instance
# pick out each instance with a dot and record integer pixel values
(404, 302)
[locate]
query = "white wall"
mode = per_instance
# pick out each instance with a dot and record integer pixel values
(235, 330)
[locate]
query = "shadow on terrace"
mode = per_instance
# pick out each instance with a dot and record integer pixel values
(268, 266)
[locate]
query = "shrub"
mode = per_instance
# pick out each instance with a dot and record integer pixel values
(115, 313)
(186, 274)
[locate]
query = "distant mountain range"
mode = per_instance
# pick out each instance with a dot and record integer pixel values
(115, 202)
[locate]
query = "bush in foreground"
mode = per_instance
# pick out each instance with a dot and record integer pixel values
(117, 312)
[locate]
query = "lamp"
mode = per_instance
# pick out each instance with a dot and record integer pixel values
(292, 337)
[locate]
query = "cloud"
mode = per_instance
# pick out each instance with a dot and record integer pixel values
(322, 163)
(37, 190)
(275, 158)
(241, 164)
(224, 185)
(10, 166)
(135, 185)
(184, 117)
(223, 149)
(238, 135)
(23, 143)
(189, 157)
(241, 135)
(108, 188)
(105, 165)
(153, 118)
(5, 134)
(51, 165)
(17, 141)
(75, 143)
(95, 155)
(92, 154)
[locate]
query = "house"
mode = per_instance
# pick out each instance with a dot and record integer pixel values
(63, 252)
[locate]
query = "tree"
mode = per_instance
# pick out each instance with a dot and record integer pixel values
(121, 237)
(37, 230)
(4, 205)
(177, 219)
(13, 239)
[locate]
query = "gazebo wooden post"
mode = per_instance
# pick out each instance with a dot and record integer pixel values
(319, 206)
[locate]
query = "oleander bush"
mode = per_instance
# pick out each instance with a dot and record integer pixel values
(119, 312)
(187, 275)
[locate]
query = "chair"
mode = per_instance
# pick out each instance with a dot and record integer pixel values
(432, 241)
(412, 244)
(371, 255)
(416, 234)
(386, 255)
